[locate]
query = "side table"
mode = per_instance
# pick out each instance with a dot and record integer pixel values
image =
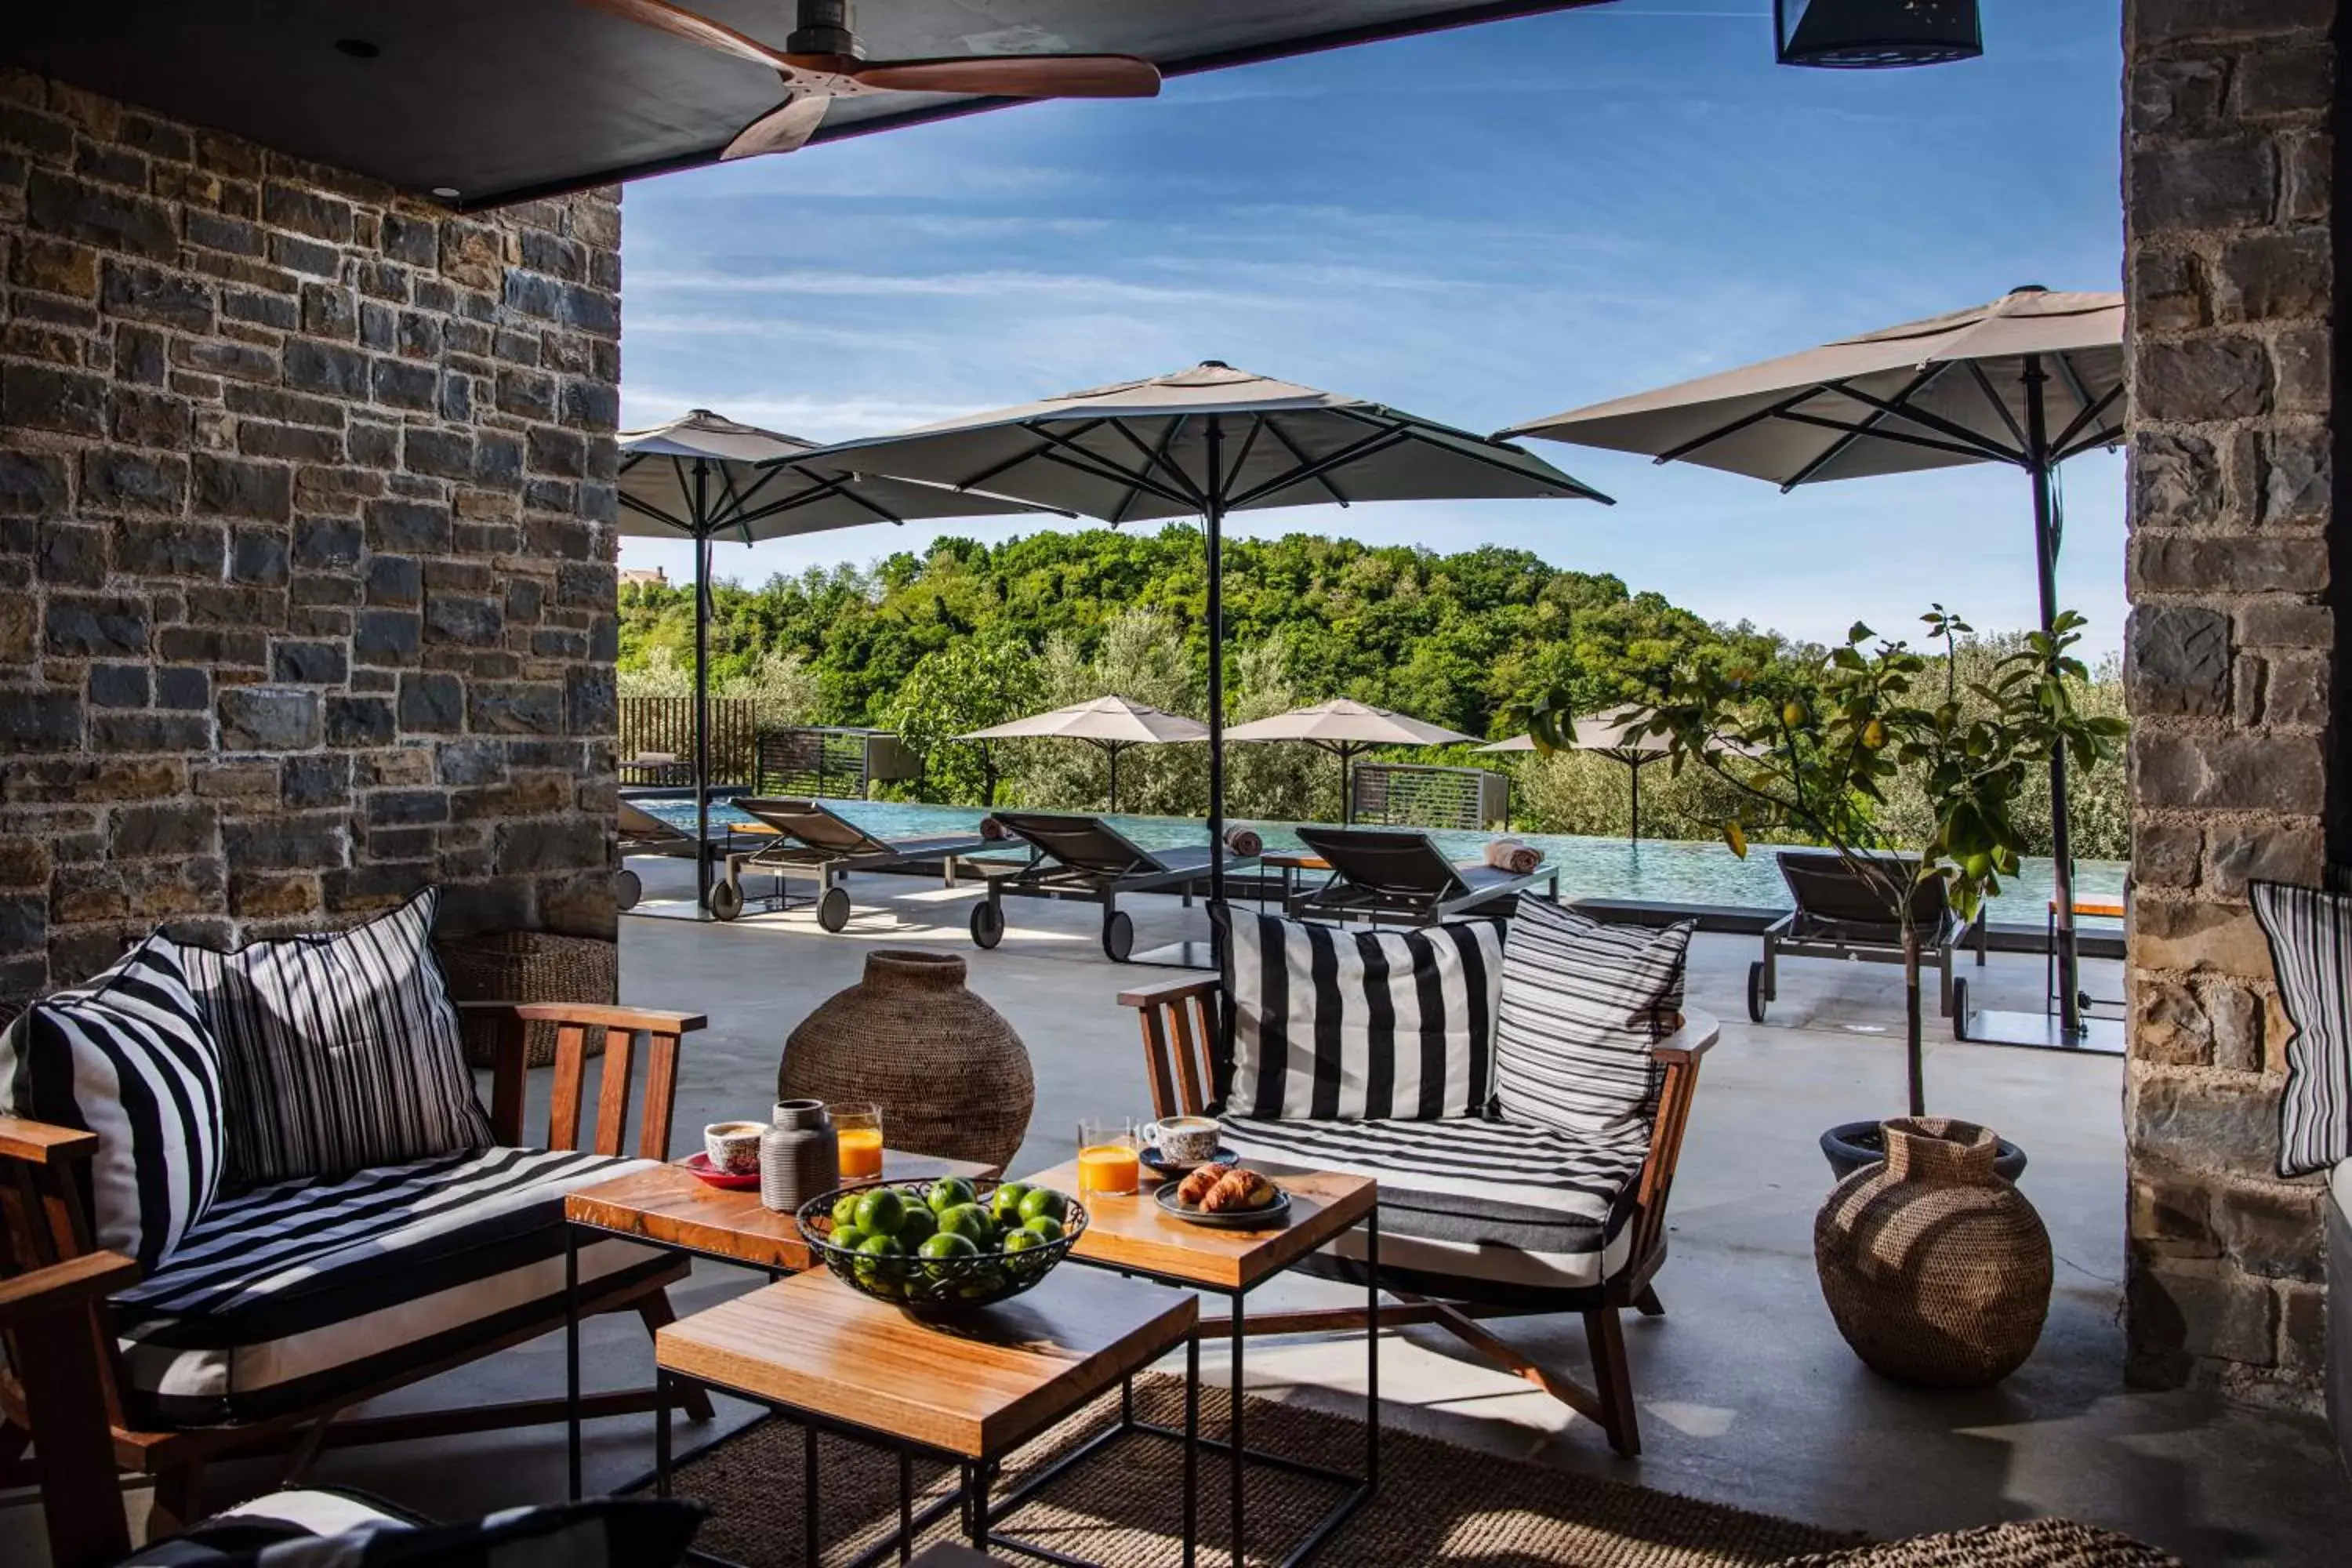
(1133, 1235)
(970, 1390)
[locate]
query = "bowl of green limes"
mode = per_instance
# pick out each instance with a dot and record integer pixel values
(944, 1247)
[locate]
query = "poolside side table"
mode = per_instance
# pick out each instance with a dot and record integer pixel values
(971, 1389)
(1133, 1235)
(669, 1207)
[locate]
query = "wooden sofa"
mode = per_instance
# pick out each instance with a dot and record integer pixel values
(45, 1241)
(1183, 1026)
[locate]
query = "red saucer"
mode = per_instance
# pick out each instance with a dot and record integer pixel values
(701, 1166)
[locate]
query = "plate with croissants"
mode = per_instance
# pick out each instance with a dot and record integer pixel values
(1225, 1195)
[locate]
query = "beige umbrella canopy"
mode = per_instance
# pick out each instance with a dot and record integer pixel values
(1606, 734)
(2032, 379)
(1346, 728)
(1112, 724)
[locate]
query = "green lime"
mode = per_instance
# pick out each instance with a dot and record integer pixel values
(948, 1243)
(1024, 1239)
(847, 1237)
(972, 1222)
(1044, 1201)
(1044, 1226)
(980, 1284)
(1005, 1202)
(918, 1226)
(880, 1211)
(947, 1192)
(881, 1261)
(844, 1211)
(881, 1247)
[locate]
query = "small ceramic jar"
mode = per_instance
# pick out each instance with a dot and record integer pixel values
(799, 1157)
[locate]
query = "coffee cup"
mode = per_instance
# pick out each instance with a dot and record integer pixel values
(733, 1146)
(1185, 1139)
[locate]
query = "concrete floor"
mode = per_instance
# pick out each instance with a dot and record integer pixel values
(1747, 1395)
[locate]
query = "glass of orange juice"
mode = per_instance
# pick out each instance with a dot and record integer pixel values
(1108, 1167)
(857, 1125)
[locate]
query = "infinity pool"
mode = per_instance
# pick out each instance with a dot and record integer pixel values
(1666, 871)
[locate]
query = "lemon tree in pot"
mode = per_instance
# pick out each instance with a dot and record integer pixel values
(1811, 752)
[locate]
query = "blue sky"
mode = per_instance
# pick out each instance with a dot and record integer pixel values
(1482, 226)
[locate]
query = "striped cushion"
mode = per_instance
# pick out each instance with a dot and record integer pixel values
(1495, 1202)
(1333, 1025)
(2310, 934)
(294, 1292)
(1582, 1005)
(341, 1051)
(315, 1528)
(128, 1056)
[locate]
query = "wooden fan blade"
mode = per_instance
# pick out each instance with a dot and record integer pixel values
(781, 129)
(1017, 76)
(663, 17)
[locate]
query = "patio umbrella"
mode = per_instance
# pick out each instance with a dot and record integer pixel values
(2031, 380)
(1606, 734)
(1205, 442)
(1112, 724)
(1346, 730)
(703, 478)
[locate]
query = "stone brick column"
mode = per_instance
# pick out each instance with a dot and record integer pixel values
(307, 594)
(2231, 269)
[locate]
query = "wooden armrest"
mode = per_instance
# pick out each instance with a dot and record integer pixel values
(593, 1015)
(60, 1286)
(1697, 1037)
(39, 1143)
(1166, 991)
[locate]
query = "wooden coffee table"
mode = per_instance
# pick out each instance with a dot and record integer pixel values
(969, 1390)
(1133, 1235)
(669, 1207)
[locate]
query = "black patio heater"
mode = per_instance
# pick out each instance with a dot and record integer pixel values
(1865, 34)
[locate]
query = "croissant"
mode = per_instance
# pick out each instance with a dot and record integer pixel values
(1196, 1184)
(1238, 1190)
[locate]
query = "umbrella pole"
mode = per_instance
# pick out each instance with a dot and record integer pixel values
(1213, 520)
(1634, 770)
(701, 692)
(2045, 553)
(1112, 752)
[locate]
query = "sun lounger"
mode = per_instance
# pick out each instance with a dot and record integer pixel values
(810, 835)
(643, 833)
(1842, 914)
(1403, 877)
(1085, 857)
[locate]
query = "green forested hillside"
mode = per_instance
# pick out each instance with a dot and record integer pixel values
(972, 634)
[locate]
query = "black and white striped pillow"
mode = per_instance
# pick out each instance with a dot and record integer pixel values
(129, 1057)
(2310, 934)
(1582, 1004)
(341, 1051)
(1350, 1026)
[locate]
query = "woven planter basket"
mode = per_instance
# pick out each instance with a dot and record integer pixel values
(1937, 1271)
(527, 966)
(951, 1075)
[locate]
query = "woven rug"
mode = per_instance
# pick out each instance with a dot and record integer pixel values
(1123, 1507)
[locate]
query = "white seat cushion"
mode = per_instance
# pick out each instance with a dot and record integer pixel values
(1496, 1202)
(291, 1293)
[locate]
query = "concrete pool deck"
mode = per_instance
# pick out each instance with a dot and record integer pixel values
(1747, 1395)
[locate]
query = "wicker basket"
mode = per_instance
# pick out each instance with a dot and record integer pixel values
(1937, 1271)
(951, 1075)
(527, 966)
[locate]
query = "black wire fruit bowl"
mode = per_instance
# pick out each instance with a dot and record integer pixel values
(879, 1238)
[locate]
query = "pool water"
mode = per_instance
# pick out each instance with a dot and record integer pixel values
(1666, 871)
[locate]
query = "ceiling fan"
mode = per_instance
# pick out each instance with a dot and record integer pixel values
(821, 61)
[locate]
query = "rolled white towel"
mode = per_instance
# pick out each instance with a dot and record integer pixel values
(1515, 856)
(992, 829)
(1245, 840)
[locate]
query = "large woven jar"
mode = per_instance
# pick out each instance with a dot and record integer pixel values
(950, 1076)
(1937, 1271)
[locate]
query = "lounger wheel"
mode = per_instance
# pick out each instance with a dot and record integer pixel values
(725, 900)
(1118, 936)
(627, 888)
(1755, 997)
(987, 924)
(833, 910)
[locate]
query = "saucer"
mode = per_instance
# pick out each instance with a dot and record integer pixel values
(1153, 1159)
(733, 1182)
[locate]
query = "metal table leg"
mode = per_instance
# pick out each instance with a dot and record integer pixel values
(1191, 1447)
(905, 1505)
(661, 1433)
(571, 1360)
(1372, 1349)
(1233, 1426)
(809, 1550)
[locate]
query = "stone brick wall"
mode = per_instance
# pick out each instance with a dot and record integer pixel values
(2228, 159)
(307, 591)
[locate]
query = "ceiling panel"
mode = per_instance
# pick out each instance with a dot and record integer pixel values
(499, 99)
